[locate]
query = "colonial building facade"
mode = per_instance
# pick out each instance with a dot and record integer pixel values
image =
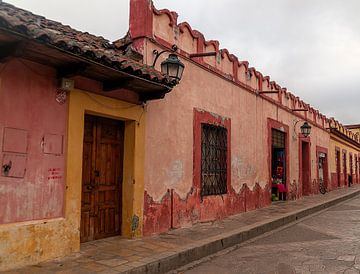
(72, 143)
(345, 154)
(87, 152)
(233, 134)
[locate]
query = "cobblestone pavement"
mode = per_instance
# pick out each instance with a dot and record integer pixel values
(328, 242)
(180, 246)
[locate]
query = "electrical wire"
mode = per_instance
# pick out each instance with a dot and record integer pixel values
(120, 108)
(32, 69)
(108, 106)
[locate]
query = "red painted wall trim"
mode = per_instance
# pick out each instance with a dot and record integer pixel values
(204, 117)
(141, 19)
(338, 172)
(304, 140)
(344, 161)
(319, 150)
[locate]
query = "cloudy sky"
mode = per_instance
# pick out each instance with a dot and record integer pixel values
(311, 47)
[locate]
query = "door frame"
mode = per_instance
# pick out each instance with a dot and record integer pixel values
(338, 166)
(344, 167)
(301, 172)
(81, 103)
(324, 150)
(273, 124)
(95, 122)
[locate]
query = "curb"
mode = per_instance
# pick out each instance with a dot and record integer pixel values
(172, 260)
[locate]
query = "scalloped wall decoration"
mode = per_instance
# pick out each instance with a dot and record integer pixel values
(173, 16)
(166, 31)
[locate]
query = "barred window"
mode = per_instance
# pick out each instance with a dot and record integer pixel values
(278, 138)
(213, 160)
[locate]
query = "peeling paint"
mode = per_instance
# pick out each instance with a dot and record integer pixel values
(175, 173)
(160, 217)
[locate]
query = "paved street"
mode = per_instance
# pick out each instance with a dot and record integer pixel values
(294, 246)
(328, 242)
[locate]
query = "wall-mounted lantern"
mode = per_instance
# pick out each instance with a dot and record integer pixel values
(172, 66)
(305, 129)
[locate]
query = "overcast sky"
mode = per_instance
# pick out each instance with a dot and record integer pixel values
(311, 47)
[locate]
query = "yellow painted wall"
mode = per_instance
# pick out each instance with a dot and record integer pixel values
(355, 130)
(133, 178)
(35, 241)
(342, 144)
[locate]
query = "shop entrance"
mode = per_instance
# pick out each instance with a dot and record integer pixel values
(278, 165)
(101, 178)
(305, 168)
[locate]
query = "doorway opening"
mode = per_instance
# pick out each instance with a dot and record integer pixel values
(278, 165)
(102, 173)
(305, 168)
(323, 170)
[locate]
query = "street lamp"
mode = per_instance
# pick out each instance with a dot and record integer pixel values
(172, 66)
(305, 129)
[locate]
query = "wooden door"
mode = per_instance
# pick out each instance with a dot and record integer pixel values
(102, 178)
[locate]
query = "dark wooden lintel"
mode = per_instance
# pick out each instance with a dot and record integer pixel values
(151, 96)
(116, 84)
(71, 70)
(9, 49)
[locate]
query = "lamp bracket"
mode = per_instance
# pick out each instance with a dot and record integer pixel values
(294, 128)
(157, 54)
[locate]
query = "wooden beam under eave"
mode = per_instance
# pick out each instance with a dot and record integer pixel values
(70, 70)
(116, 84)
(151, 96)
(11, 49)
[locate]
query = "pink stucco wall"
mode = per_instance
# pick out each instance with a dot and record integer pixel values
(32, 137)
(218, 86)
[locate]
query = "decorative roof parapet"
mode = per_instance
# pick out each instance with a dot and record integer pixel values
(162, 26)
(344, 130)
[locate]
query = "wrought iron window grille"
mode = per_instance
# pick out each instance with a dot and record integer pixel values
(213, 160)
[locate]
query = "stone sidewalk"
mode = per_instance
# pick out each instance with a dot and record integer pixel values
(168, 251)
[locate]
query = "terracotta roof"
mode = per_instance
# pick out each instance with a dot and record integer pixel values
(83, 44)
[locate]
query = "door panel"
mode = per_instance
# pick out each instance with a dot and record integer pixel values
(102, 178)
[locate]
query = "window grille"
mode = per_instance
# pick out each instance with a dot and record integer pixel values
(278, 138)
(213, 160)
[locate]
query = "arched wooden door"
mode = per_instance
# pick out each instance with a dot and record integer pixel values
(102, 178)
